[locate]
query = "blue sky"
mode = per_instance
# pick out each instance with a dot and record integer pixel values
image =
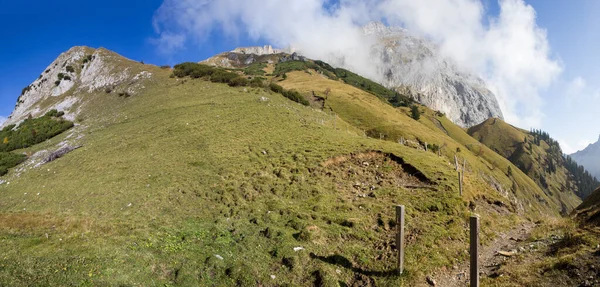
(34, 33)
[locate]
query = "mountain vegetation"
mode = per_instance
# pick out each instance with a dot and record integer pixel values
(33, 131)
(211, 176)
(538, 155)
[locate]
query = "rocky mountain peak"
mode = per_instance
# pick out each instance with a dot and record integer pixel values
(258, 50)
(589, 158)
(78, 71)
(414, 66)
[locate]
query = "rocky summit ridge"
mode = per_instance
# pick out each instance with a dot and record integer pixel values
(414, 66)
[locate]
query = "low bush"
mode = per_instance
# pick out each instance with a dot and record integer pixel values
(193, 70)
(9, 160)
(276, 88)
(61, 76)
(87, 58)
(220, 76)
(70, 69)
(25, 90)
(290, 94)
(67, 78)
(257, 82)
(56, 83)
(33, 131)
(238, 82)
(256, 69)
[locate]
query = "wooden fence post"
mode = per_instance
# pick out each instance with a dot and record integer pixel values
(456, 162)
(474, 244)
(400, 237)
(425, 146)
(460, 183)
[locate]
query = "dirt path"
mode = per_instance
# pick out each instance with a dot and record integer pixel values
(489, 259)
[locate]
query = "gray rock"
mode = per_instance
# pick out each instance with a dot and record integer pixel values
(413, 66)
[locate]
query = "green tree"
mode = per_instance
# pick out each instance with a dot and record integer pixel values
(415, 113)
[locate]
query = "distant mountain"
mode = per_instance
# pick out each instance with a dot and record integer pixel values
(590, 158)
(414, 66)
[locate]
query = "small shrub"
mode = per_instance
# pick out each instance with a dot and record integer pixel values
(51, 113)
(257, 82)
(193, 70)
(290, 94)
(220, 76)
(108, 90)
(276, 88)
(61, 76)
(415, 113)
(47, 71)
(67, 78)
(57, 83)
(433, 148)
(124, 94)
(9, 160)
(70, 69)
(25, 90)
(238, 82)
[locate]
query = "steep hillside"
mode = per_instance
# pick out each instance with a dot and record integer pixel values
(213, 177)
(589, 158)
(539, 156)
(589, 210)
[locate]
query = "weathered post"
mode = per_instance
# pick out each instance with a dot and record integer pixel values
(425, 146)
(474, 242)
(400, 237)
(456, 162)
(460, 183)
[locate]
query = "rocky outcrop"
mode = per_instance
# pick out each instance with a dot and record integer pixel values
(257, 50)
(413, 66)
(589, 158)
(65, 84)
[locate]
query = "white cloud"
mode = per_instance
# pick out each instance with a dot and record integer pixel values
(576, 87)
(2, 120)
(509, 50)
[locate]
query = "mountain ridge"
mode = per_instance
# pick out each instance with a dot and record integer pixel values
(589, 157)
(198, 175)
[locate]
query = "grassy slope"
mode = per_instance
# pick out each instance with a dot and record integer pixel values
(187, 169)
(510, 142)
(374, 117)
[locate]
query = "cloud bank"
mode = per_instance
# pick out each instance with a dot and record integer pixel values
(508, 50)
